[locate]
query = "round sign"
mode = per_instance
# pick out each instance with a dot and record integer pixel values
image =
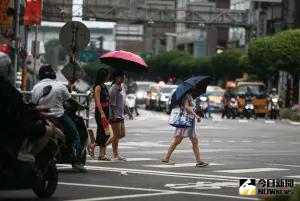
(74, 36)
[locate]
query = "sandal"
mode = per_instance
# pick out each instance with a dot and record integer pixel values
(104, 158)
(119, 158)
(167, 162)
(202, 164)
(91, 149)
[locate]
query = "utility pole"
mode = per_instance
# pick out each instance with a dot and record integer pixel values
(17, 36)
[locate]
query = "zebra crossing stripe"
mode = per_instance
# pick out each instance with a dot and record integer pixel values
(127, 159)
(180, 165)
(236, 171)
(294, 177)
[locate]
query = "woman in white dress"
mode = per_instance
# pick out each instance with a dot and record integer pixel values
(181, 133)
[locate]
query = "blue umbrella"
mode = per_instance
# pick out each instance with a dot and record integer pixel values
(198, 84)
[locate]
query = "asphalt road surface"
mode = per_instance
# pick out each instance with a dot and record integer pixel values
(234, 148)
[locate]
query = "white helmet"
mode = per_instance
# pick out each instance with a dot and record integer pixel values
(274, 90)
(6, 70)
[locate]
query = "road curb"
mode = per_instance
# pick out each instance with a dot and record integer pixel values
(294, 123)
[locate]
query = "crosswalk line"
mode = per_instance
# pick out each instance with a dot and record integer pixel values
(180, 165)
(294, 177)
(243, 121)
(236, 171)
(127, 159)
(269, 122)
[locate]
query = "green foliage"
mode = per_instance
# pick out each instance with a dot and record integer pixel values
(55, 44)
(91, 70)
(226, 65)
(279, 52)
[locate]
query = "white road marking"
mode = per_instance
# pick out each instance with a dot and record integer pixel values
(231, 141)
(268, 142)
(246, 141)
(203, 185)
(180, 165)
(243, 121)
(294, 142)
(217, 140)
(127, 159)
(158, 173)
(217, 120)
(269, 122)
(251, 170)
(294, 177)
(190, 151)
(125, 196)
(157, 191)
(143, 144)
(284, 165)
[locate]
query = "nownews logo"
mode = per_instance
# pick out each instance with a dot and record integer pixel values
(252, 187)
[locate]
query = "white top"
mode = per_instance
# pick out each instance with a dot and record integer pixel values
(55, 99)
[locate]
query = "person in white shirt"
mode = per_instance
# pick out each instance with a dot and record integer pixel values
(55, 100)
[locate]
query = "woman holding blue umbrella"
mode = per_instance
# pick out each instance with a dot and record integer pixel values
(184, 97)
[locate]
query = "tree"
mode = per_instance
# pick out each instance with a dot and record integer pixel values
(55, 45)
(91, 70)
(226, 65)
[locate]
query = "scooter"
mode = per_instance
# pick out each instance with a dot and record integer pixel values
(274, 108)
(202, 106)
(248, 110)
(39, 174)
(131, 102)
(232, 108)
(66, 154)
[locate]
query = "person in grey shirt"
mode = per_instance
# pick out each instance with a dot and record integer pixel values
(117, 107)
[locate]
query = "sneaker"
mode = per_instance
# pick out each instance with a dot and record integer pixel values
(202, 164)
(167, 162)
(79, 167)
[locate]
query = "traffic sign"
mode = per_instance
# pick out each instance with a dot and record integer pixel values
(74, 36)
(68, 71)
(87, 56)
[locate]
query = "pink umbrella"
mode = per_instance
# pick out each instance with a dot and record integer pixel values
(124, 60)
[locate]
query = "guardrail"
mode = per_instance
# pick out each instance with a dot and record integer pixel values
(82, 98)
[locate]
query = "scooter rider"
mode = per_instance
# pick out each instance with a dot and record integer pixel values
(58, 95)
(272, 95)
(249, 96)
(226, 98)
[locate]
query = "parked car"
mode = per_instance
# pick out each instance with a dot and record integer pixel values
(142, 88)
(151, 96)
(163, 96)
(215, 99)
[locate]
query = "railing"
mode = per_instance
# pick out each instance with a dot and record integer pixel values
(82, 98)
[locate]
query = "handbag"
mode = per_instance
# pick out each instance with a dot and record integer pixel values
(180, 118)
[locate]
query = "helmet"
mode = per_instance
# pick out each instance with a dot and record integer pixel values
(274, 90)
(6, 70)
(46, 71)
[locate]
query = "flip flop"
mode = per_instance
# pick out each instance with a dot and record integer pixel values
(202, 164)
(104, 158)
(167, 162)
(91, 150)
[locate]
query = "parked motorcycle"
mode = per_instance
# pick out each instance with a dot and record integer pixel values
(232, 108)
(39, 174)
(131, 102)
(274, 108)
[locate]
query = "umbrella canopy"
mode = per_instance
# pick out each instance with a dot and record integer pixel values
(123, 60)
(198, 84)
